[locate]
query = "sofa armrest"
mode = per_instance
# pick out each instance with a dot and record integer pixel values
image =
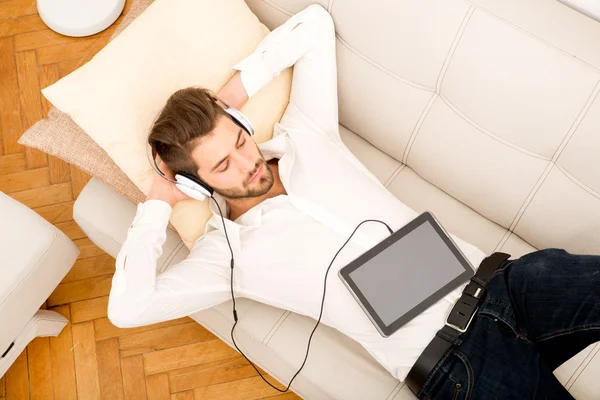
(36, 256)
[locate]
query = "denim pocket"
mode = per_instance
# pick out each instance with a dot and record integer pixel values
(452, 381)
(464, 381)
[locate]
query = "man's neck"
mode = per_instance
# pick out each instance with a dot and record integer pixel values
(240, 206)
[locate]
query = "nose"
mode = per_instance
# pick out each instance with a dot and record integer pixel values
(247, 164)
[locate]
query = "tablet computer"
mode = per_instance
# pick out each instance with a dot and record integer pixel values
(406, 273)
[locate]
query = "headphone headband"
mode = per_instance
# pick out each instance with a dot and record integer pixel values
(238, 118)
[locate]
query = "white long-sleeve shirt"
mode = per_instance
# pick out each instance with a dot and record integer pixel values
(282, 246)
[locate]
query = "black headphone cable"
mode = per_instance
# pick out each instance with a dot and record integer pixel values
(235, 317)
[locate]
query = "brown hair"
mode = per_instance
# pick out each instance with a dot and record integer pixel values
(189, 115)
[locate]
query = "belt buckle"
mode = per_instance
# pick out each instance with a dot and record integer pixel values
(461, 330)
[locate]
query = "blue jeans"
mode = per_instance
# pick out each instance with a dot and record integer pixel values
(539, 311)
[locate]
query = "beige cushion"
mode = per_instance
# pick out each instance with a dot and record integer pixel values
(60, 136)
(172, 45)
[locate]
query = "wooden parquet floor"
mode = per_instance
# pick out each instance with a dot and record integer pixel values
(91, 358)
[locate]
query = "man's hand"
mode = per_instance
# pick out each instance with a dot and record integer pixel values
(164, 190)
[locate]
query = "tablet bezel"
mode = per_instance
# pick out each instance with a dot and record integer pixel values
(387, 330)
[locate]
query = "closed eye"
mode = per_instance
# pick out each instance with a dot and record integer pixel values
(227, 163)
(238, 146)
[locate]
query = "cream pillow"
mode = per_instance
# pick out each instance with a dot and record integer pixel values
(174, 44)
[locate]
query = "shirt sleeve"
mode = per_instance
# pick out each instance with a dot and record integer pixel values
(141, 296)
(280, 49)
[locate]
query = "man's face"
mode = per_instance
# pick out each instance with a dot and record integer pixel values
(231, 163)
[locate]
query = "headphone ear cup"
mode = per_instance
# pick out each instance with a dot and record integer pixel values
(191, 192)
(192, 187)
(241, 120)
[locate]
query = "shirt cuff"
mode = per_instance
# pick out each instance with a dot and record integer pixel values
(254, 74)
(155, 213)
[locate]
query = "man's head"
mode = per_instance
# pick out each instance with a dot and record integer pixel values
(194, 134)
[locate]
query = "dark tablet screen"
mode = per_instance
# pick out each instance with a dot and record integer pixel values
(406, 273)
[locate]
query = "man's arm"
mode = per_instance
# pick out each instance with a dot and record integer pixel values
(307, 41)
(234, 93)
(280, 49)
(141, 296)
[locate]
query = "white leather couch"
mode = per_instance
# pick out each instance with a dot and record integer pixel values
(485, 112)
(35, 257)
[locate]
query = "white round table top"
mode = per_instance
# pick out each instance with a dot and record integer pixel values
(79, 17)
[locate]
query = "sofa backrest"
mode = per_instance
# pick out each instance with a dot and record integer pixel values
(494, 102)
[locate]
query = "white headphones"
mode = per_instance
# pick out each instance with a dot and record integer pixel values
(188, 183)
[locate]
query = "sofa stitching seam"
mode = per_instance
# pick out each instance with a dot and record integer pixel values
(446, 100)
(382, 68)
(395, 390)
(418, 126)
(275, 327)
(330, 6)
(467, 119)
(452, 50)
(278, 8)
(578, 182)
(438, 84)
(170, 257)
(552, 162)
(537, 38)
(507, 235)
(577, 122)
(589, 359)
(503, 240)
(394, 175)
(529, 199)
(489, 133)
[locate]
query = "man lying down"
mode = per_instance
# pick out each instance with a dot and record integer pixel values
(285, 203)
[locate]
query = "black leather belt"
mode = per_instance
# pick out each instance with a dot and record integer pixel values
(457, 322)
